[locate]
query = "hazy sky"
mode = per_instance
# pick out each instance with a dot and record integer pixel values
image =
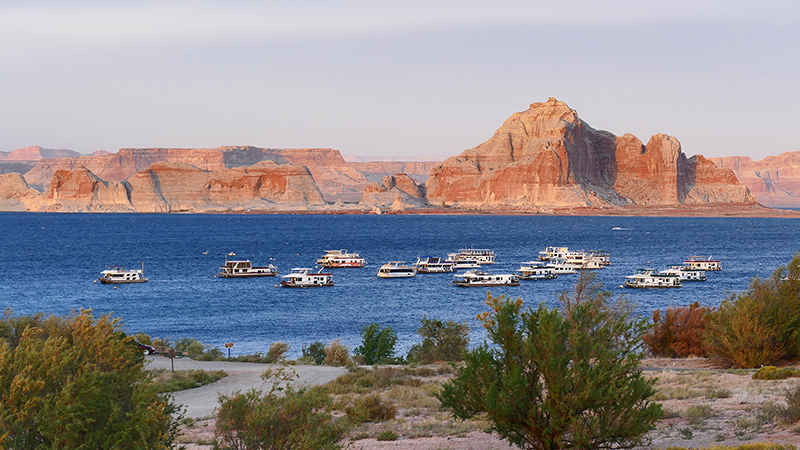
(402, 78)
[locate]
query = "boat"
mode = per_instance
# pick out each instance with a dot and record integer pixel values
(245, 269)
(305, 278)
(551, 253)
(703, 263)
(397, 269)
(648, 278)
(119, 275)
(583, 260)
(433, 264)
(603, 256)
(341, 259)
(459, 264)
(472, 278)
(686, 273)
(560, 267)
(481, 256)
(535, 270)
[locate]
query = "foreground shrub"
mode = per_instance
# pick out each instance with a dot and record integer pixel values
(73, 382)
(284, 417)
(441, 341)
(678, 333)
(337, 354)
(370, 408)
(773, 373)
(277, 352)
(315, 352)
(378, 345)
(760, 326)
(552, 379)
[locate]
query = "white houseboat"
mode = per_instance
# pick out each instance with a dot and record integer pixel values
(551, 253)
(433, 264)
(341, 258)
(535, 270)
(304, 278)
(560, 267)
(648, 278)
(603, 256)
(481, 256)
(472, 278)
(686, 273)
(703, 263)
(583, 260)
(397, 269)
(119, 275)
(245, 269)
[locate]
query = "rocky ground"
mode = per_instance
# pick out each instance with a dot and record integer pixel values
(705, 404)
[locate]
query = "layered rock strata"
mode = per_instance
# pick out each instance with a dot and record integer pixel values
(396, 192)
(774, 180)
(376, 170)
(168, 187)
(35, 153)
(547, 156)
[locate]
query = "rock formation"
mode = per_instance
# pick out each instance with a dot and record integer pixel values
(35, 153)
(774, 180)
(397, 192)
(331, 172)
(376, 170)
(547, 156)
(15, 193)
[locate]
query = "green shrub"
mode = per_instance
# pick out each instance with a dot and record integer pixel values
(169, 381)
(337, 354)
(441, 341)
(760, 326)
(773, 373)
(370, 408)
(696, 414)
(678, 333)
(387, 435)
(558, 379)
(283, 417)
(73, 382)
(378, 345)
(315, 351)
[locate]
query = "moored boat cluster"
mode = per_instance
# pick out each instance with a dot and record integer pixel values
(693, 269)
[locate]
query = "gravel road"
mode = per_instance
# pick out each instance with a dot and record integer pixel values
(201, 402)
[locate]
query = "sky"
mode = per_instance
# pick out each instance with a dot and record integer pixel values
(403, 79)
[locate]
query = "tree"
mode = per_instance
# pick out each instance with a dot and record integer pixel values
(558, 379)
(761, 325)
(73, 382)
(283, 417)
(378, 345)
(441, 341)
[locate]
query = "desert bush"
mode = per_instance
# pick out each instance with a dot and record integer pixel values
(387, 435)
(171, 381)
(378, 345)
(370, 408)
(760, 326)
(283, 417)
(558, 379)
(77, 382)
(277, 352)
(696, 414)
(315, 351)
(336, 354)
(441, 341)
(192, 348)
(774, 373)
(678, 333)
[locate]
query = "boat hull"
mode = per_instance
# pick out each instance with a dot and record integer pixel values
(107, 281)
(303, 285)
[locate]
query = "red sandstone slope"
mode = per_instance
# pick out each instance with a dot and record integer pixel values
(775, 180)
(547, 156)
(35, 153)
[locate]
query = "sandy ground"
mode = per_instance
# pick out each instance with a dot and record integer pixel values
(735, 418)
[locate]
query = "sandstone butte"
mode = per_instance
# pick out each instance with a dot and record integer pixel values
(168, 187)
(775, 180)
(546, 157)
(396, 192)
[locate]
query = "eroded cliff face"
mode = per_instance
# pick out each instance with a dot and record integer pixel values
(396, 192)
(774, 180)
(36, 153)
(331, 172)
(547, 156)
(168, 187)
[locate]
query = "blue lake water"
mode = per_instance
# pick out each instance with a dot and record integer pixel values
(49, 262)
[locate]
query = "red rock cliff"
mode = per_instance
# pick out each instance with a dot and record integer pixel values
(547, 156)
(774, 180)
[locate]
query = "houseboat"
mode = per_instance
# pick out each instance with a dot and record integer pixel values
(459, 264)
(304, 278)
(535, 270)
(551, 253)
(648, 278)
(481, 256)
(560, 267)
(397, 269)
(433, 264)
(479, 278)
(703, 263)
(341, 259)
(603, 256)
(583, 260)
(245, 269)
(119, 275)
(686, 273)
